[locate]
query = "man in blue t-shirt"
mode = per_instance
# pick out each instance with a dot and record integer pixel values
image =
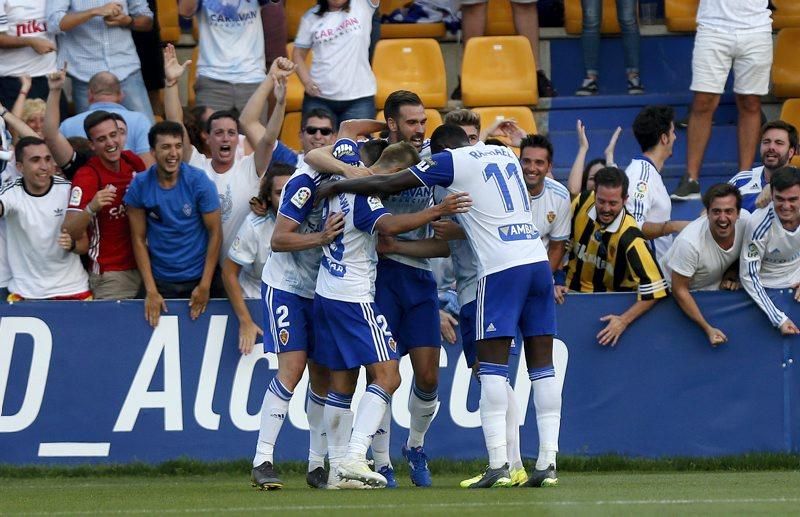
(173, 209)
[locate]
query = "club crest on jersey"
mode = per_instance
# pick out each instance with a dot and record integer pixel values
(75, 196)
(374, 203)
(236, 243)
(283, 335)
(392, 344)
(518, 232)
(187, 209)
(551, 216)
(301, 197)
(752, 251)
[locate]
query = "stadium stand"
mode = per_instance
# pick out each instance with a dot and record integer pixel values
(169, 28)
(520, 114)
(786, 14)
(573, 17)
(790, 112)
(294, 11)
(498, 71)
(290, 132)
(192, 76)
(416, 65)
(407, 30)
(785, 68)
(679, 15)
(294, 88)
(499, 19)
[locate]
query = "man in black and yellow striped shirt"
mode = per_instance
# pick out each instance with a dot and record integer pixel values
(609, 253)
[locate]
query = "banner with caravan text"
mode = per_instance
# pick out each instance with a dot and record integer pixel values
(93, 382)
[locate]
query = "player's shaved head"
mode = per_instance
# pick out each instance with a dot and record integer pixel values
(448, 136)
(372, 150)
(397, 157)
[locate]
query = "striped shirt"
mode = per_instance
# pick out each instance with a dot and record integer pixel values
(614, 258)
(93, 46)
(750, 184)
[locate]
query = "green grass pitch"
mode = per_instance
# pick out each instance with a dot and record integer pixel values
(579, 493)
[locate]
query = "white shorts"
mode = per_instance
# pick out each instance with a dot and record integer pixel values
(715, 53)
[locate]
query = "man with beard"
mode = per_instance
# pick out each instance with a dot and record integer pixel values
(778, 146)
(704, 251)
(648, 201)
(610, 254)
(770, 254)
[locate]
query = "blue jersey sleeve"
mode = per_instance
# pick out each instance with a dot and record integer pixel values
(283, 154)
(347, 151)
(205, 192)
(298, 198)
(366, 212)
(436, 170)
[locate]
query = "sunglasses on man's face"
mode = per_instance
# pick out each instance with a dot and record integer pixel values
(325, 131)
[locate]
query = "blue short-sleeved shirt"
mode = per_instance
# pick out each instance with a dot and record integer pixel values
(176, 234)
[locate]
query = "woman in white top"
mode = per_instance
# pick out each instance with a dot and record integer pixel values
(340, 78)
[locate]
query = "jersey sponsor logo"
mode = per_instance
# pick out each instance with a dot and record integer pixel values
(518, 232)
(334, 268)
(551, 216)
(301, 197)
(345, 152)
(374, 203)
(75, 196)
(752, 251)
(283, 335)
(187, 209)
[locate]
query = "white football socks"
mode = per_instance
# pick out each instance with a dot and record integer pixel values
(318, 440)
(273, 413)
(547, 401)
(421, 406)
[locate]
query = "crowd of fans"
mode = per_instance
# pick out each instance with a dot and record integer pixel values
(106, 205)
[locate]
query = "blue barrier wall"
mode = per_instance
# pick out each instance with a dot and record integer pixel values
(93, 382)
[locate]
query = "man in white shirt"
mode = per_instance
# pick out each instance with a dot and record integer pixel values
(704, 251)
(231, 63)
(778, 147)
(770, 256)
(26, 48)
(731, 35)
(648, 201)
(34, 207)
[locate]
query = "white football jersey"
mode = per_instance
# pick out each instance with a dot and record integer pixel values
(552, 212)
(348, 268)
(296, 272)
(750, 183)
(648, 199)
(250, 249)
(498, 225)
(40, 268)
(696, 255)
(770, 258)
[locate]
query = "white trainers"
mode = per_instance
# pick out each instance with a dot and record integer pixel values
(358, 470)
(335, 482)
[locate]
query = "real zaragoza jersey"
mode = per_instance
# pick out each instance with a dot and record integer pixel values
(750, 184)
(498, 225)
(770, 258)
(296, 271)
(648, 199)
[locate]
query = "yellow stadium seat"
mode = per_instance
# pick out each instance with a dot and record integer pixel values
(785, 66)
(681, 15)
(295, 9)
(790, 112)
(410, 64)
(407, 30)
(498, 71)
(290, 132)
(573, 17)
(521, 115)
(499, 18)
(434, 120)
(169, 30)
(786, 14)
(294, 88)
(192, 78)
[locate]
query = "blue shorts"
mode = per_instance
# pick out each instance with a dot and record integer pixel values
(521, 296)
(466, 323)
(408, 298)
(288, 321)
(351, 334)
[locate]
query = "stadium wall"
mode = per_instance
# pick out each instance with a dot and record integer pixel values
(92, 382)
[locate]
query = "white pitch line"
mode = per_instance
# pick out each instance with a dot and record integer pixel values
(470, 505)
